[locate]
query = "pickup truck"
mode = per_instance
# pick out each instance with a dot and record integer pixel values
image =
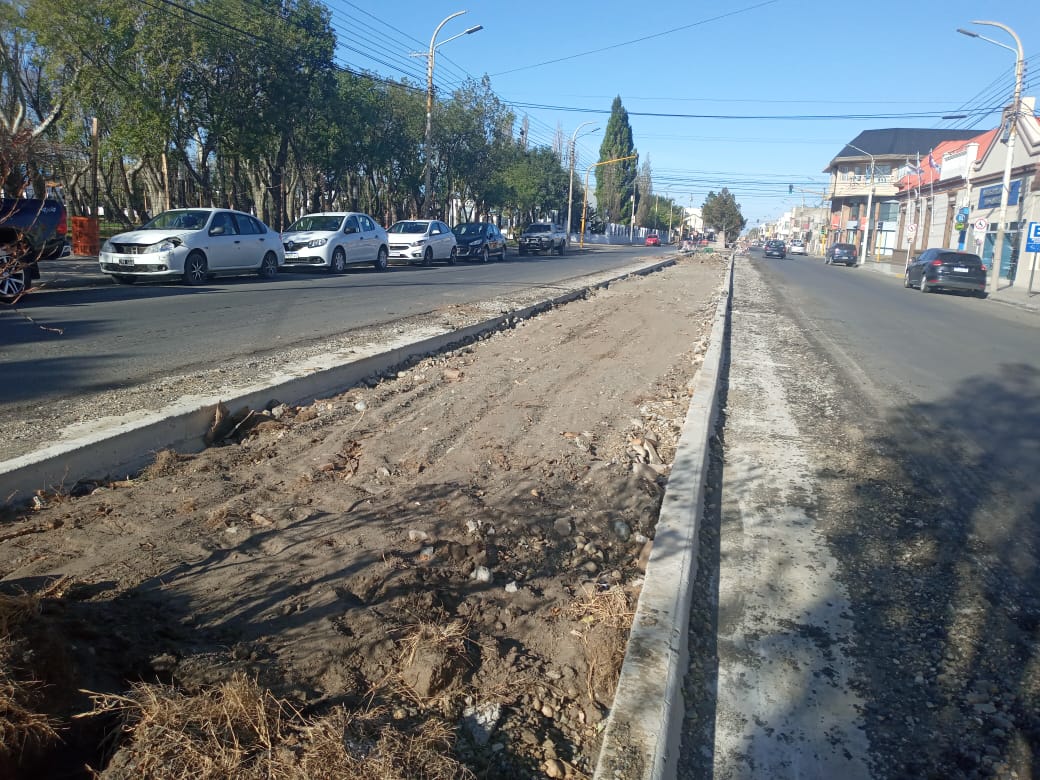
(30, 231)
(544, 237)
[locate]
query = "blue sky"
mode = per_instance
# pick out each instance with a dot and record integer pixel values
(745, 58)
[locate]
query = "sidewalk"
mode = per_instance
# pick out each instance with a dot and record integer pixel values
(71, 271)
(1013, 296)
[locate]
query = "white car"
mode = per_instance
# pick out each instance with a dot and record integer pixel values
(422, 241)
(797, 248)
(193, 245)
(335, 239)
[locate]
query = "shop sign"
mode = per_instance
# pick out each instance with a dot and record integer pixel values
(989, 197)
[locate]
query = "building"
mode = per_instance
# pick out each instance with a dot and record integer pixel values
(865, 170)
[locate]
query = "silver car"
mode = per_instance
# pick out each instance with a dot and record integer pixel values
(193, 245)
(422, 241)
(798, 247)
(335, 239)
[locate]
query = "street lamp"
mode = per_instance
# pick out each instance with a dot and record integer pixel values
(570, 189)
(1005, 189)
(427, 168)
(870, 203)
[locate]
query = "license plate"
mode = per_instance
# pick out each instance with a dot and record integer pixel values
(960, 269)
(291, 255)
(126, 261)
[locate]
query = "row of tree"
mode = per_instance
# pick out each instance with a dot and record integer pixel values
(141, 105)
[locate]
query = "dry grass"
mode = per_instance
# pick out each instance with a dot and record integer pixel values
(605, 618)
(240, 730)
(22, 728)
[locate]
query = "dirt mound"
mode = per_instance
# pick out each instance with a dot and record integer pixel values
(438, 567)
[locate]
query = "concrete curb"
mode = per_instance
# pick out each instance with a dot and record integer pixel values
(643, 731)
(126, 445)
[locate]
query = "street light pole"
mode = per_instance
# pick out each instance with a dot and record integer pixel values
(993, 283)
(870, 203)
(570, 188)
(428, 143)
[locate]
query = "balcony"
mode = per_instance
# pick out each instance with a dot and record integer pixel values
(852, 185)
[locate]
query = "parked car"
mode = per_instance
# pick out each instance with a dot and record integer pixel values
(841, 253)
(947, 269)
(542, 237)
(480, 241)
(422, 241)
(30, 230)
(652, 240)
(332, 240)
(775, 248)
(193, 245)
(798, 247)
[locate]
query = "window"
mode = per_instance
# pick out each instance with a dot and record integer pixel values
(367, 224)
(247, 226)
(352, 225)
(222, 219)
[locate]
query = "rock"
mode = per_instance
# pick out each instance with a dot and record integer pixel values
(306, 415)
(622, 530)
(452, 375)
(415, 535)
(481, 574)
(553, 768)
(548, 711)
(472, 526)
(481, 720)
(590, 566)
(360, 406)
(563, 526)
(512, 587)
(528, 737)
(383, 472)
(426, 554)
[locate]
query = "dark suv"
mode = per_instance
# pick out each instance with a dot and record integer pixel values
(947, 269)
(30, 230)
(775, 248)
(841, 253)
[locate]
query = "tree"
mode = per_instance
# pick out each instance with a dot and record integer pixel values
(722, 212)
(615, 183)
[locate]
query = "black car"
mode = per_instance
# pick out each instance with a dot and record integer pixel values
(775, 248)
(845, 254)
(479, 241)
(30, 231)
(947, 269)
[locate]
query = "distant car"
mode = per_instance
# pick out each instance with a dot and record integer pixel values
(422, 241)
(543, 238)
(652, 240)
(775, 248)
(332, 240)
(947, 269)
(845, 254)
(193, 245)
(479, 241)
(798, 247)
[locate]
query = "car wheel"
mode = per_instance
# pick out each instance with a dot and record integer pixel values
(123, 279)
(339, 261)
(14, 284)
(906, 280)
(925, 287)
(268, 267)
(196, 269)
(502, 254)
(562, 248)
(454, 256)
(427, 258)
(484, 256)
(382, 259)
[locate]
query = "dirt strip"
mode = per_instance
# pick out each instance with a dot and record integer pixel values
(461, 543)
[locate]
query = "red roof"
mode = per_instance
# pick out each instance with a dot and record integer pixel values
(929, 174)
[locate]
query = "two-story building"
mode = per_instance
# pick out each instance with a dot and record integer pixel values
(865, 170)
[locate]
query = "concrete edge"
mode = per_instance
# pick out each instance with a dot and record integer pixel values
(642, 735)
(132, 446)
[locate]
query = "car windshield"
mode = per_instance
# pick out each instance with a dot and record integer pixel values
(537, 228)
(468, 230)
(316, 222)
(409, 226)
(178, 220)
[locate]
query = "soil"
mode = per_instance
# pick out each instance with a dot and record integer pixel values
(463, 540)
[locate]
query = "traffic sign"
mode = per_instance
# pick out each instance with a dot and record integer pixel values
(1033, 237)
(981, 225)
(911, 228)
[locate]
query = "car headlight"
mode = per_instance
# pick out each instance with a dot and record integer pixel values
(107, 247)
(475, 243)
(167, 245)
(315, 242)
(420, 242)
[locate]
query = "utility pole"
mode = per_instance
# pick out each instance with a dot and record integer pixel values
(570, 187)
(632, 225)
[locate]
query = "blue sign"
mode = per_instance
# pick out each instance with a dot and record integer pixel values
(1033, 237)
(989, 197)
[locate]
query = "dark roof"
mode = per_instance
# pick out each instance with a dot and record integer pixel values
(900, 141)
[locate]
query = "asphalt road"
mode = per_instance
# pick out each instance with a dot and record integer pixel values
(85, 340)
(867, 600)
